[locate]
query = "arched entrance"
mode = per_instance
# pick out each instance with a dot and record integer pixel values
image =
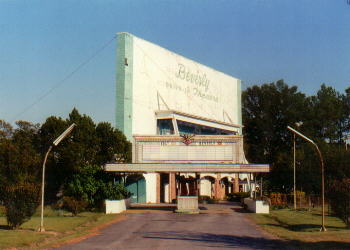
(136, 185)
(187, 185)
(226, 186)
(207, 186)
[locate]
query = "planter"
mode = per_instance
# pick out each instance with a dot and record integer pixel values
(257, 206)
(116, 206)
(187, 204)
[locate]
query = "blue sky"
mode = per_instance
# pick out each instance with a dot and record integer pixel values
(304, 42)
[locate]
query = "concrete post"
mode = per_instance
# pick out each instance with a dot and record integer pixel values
(172, 187)
(158, 188)
(236, 185)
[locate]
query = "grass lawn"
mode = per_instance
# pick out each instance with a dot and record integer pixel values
(301, 228)
(59, 227)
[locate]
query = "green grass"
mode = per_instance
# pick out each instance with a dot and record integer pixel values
(301, 228)
(59, 228)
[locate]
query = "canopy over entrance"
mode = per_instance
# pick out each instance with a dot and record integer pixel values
(187, 168)
(188, 154)
(175, 165)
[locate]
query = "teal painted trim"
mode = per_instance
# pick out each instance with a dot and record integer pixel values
(239, 104)
(124, 84)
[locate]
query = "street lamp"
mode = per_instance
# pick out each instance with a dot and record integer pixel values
(323, 228)
(298, 124)
(55, 143)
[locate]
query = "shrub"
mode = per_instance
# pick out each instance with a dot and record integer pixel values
(278, 200)
(20, 202)
(2, 211)
(238, 196)
(111, 191)
(207, 200)
(93, 185)
(339, 199)
(74, 205)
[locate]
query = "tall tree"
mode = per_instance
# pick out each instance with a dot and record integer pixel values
(87, 146)
(329, 114)
(267, 111)
(112, 144)
(19, 171)
(56, 170)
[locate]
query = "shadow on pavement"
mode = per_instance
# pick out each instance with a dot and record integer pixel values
(222, 240)
(219, 240)
(148, 207)
(240, 210)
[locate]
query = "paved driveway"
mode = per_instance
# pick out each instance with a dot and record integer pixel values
(220, 226)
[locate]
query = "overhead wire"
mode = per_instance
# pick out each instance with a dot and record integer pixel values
(63, 80)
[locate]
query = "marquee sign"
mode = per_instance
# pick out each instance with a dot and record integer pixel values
(187, 148)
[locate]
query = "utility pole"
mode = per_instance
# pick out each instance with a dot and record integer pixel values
(295, 191)
(323, 227)
(55, 143)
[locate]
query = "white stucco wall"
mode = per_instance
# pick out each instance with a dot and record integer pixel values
(151, 187)
(185, 86)
(205, 188)
(257, 206)
(116, 206)
(149, 74)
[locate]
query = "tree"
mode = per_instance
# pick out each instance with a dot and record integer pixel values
(6, 130)
(339, 197)
(88, 145)
(330, 114)
(90, 187)
(21, 161)
(269, 108)
(19, 171)
(346, 101)
(267, 111)
(111, 141)
(56, 171)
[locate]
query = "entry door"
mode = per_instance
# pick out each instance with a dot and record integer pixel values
(141, 191)
(137, 190)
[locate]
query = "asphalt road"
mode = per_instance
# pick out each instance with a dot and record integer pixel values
(220, 228)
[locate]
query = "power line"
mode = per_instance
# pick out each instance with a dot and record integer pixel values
(68, 76)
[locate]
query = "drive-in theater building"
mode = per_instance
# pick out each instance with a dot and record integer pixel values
(185, 124)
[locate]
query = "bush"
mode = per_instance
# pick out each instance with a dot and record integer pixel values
(20, 202)
(207, 200)
(74, 205)
(111, 191)
(2, 211)
(238, 196)
(84, 185)
(339, 199)
(93, 185)
(278, 200)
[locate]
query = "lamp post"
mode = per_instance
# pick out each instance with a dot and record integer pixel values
(323, 228)
(55, 143)
(294, 189)
(298, 124)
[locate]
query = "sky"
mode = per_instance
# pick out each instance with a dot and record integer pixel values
(304, 42)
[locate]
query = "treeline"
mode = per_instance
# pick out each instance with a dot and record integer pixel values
(76, 181)
(74, 177)
(325, 118)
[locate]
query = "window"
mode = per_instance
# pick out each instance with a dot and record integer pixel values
(165, 127)
(191, 128)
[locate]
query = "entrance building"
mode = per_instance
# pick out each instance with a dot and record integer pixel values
(184, 121)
